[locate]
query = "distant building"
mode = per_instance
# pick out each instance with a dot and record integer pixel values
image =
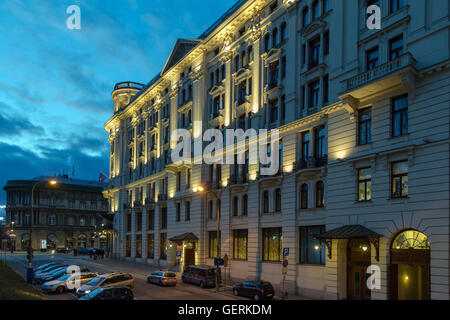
(67, 214)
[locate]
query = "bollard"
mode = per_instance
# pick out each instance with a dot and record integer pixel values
(30, 275)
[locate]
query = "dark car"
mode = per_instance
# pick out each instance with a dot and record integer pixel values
(56, 275)
(62, 250)
(109, 293)
(204, 276)
(257, 289)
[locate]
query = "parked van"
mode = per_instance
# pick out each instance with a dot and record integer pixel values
(204, 276)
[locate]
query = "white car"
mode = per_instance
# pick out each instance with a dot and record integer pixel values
(62, 283)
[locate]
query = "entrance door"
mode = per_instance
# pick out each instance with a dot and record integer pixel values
(189, 257)
(358, 259)
(410, 267)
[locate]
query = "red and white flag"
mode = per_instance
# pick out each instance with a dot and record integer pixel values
(102, 177)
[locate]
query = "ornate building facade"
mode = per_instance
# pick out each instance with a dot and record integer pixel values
(67, 214)
(363, 117)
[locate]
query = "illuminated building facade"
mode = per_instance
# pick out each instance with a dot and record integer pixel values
(64, 215)
(363, 117)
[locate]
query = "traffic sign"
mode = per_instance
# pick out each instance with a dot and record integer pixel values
(285, 252)
(285, 263)
(218, 262)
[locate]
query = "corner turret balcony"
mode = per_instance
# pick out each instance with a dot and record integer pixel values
(129, 85)
(400, 71)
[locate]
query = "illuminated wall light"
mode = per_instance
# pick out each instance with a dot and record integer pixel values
(253, 176)
(340, 155)
(171, 194)
(364, 248)
(198, 67)
(194, 189)
(288, 168)
(406, 278)
(316, 247)
(225, 183)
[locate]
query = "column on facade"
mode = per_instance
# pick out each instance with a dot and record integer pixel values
(157, 235)
(144, 233)
(225, 226)
(228, 92)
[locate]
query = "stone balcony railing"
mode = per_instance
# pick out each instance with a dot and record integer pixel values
(383, 70)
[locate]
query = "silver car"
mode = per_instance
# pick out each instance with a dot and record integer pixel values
(62, 283)
(106, 280)
(163, 278)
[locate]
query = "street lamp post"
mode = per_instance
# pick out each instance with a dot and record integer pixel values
(30, 246)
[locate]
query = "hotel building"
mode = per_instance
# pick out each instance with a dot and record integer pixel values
(363, 117)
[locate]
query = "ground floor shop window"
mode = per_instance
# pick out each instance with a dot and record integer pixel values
(138, 246)
(272, 242)
(150, 246)
(82, 241)
(128, 246)
(163, 246)
(213, 245)
(311, 250)
(240, 244)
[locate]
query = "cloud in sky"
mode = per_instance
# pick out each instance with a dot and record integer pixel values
(55, 83)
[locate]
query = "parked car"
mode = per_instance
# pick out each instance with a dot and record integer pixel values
(163, 278)
(109, 293)
(61, 284)
(257, 289)
(204, 276)
(40, 275)
(43, 266)
(47, 269)
(62, 250)
(106, 280)
(60, 273)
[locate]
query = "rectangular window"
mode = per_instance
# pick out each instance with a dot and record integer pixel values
(163, 246)
(364, 184)
(325, 89)
(128, 222)
(150, 246)
(213, 245)
(178, 181)
(138, 221)
(305, 146)
(365, 126)
(314, 52)
(305, 16)
(178, 212)
(372, 58)
(187, 212)
(272, 242)
(151, 220)
(326, 43)
(400, 116)
(273, 109)
(314, 90)
(396, 47)
(164, 218)
(395, 5)
(240, 243)
(283, 67)
(315, 10)
(399, 183)
(325, 6)
(311, 250)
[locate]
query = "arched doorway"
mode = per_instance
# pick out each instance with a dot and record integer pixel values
(25, 241)
(410, 266)
(358, 259)
(82, 241)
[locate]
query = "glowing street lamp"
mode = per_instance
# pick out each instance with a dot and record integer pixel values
(51, 182)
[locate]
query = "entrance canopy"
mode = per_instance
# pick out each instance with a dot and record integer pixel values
(189, 236)
(355, 231)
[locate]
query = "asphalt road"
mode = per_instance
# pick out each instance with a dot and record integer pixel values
(142, 289)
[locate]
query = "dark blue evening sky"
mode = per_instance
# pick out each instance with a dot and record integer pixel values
(55, 83)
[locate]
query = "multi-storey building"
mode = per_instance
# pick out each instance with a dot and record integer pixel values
(363, 116)
(67, 214)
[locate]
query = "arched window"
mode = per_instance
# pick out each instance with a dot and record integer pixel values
(210, 209)
(304, 196)
(320, 195)
(265, 201)
(82, 242)
(278, 200)
(411, 239)
(235, 206)
(275, 38)
(283, 32)
(250, 54)
(266, 42)
(245, 205)
(305, 16)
